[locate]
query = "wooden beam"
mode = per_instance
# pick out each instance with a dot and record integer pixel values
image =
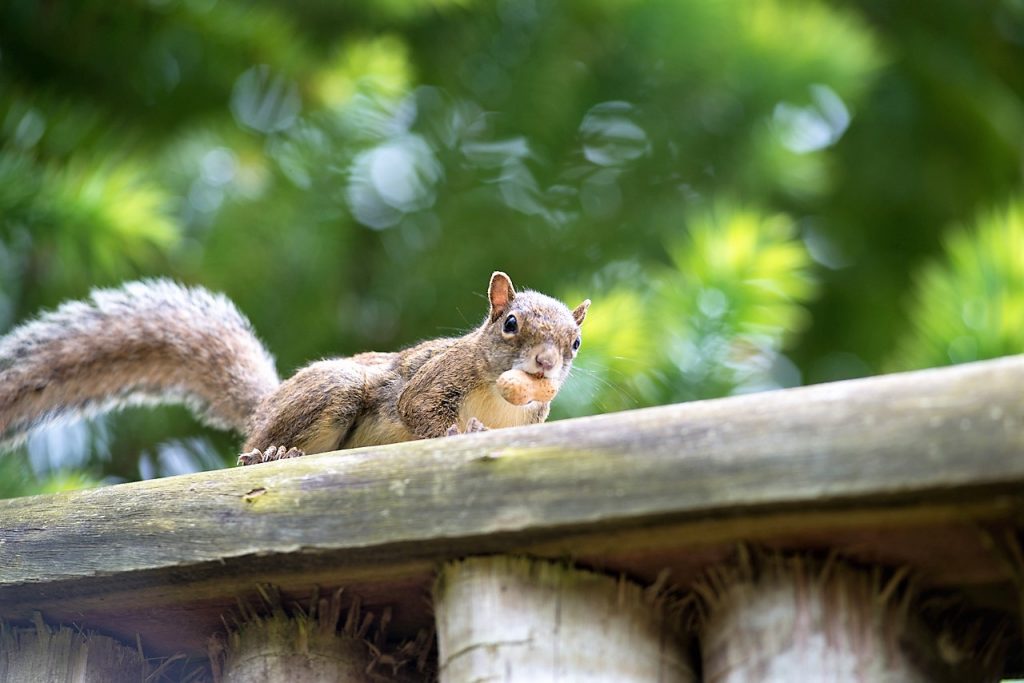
(905, 454)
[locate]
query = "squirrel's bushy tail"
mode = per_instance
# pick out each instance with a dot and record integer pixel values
(145, 342)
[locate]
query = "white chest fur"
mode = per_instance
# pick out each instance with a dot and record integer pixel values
(486, 405)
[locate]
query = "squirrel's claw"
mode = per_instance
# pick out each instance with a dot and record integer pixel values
(472, 427)
(256, 456)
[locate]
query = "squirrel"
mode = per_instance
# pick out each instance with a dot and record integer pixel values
(155, 341)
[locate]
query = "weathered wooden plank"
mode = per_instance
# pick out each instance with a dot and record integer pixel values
(378, 518)
(915, 435)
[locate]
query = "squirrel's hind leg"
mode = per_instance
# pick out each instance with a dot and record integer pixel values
(310, 413)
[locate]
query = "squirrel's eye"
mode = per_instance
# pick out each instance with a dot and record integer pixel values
(511, 325)
(576, 344)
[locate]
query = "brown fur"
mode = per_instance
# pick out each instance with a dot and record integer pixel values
(157, 341)
(147, 342)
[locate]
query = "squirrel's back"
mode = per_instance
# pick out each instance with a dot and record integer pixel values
(146, 342)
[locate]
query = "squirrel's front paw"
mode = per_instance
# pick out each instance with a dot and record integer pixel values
(256, 456)
(473, 426)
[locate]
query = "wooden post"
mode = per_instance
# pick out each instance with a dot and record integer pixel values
(69, 655)
(778, 619)
(516, 619)
(322, 644)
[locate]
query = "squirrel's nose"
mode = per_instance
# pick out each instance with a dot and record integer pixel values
(546, 359)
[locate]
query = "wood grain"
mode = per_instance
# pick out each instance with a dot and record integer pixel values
(889, 449)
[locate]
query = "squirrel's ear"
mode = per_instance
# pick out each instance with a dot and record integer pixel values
(580, 312)
(500, 292)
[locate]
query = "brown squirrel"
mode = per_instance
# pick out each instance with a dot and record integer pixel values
(157, 342)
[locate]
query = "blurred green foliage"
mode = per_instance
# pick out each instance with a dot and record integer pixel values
(754, 194)
(969, 304)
